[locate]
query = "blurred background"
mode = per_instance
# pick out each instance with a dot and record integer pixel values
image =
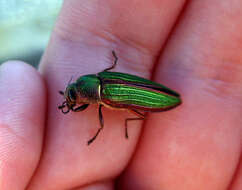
(25, 27)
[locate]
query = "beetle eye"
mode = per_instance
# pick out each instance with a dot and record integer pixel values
(72, 94)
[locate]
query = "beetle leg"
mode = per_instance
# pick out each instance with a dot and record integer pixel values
(62, 108)
(101, 125)
(114, 63)
(80, 108)
(65, 112)
(141, 116)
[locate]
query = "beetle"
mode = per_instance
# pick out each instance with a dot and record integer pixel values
(119, 91)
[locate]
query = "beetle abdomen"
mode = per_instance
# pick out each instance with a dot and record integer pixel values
(126, 96)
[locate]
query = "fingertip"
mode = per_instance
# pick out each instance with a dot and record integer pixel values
(15, 68)
(22, 112)
(20, 77)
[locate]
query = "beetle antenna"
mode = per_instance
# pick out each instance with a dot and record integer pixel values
(61, 92)
(70, 80)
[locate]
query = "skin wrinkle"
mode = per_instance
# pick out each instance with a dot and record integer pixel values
(8, 129)
(220, 75)
(104, 32)
(141, 69)
(108, 30)
(227, 72)
(17, 121)
(124, 61)
(113, 41)
(222, 80)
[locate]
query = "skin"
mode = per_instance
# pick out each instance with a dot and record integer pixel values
(193, 47)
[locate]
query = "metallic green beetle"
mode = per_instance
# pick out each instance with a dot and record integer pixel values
(119, 91)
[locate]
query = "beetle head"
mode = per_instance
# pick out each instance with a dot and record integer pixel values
(70, 96)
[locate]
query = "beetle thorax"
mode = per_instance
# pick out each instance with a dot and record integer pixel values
(88, 89)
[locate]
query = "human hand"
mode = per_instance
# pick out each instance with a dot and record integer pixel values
(194, 49)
